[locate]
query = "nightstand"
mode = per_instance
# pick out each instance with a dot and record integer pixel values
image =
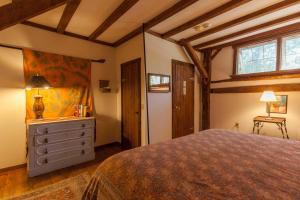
(279, 121)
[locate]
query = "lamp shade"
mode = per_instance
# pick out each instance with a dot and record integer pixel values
(38, 81)
(268, 96)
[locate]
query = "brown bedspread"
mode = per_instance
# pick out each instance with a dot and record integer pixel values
(210, 165)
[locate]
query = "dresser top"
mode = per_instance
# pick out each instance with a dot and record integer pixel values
(61, 119)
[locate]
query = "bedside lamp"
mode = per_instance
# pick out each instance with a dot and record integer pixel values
(38, 82)
(268, 97)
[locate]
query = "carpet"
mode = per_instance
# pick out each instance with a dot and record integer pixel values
(71, 188)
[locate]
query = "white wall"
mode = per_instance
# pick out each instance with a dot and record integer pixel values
(12, 93)
(159, 55)
(228, 109)
(128, 51)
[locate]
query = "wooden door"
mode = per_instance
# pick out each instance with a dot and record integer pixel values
(131, 103)
(182, 98)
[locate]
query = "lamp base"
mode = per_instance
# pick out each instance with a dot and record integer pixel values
(38, 107)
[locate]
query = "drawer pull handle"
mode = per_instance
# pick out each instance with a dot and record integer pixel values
(82, 143)
(46, 161)
(46, 131)
(46, 151)
(82, 125)
(82, 134)
(46, 140)
(82, 152)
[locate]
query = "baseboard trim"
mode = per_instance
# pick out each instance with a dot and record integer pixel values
(97, 148)
(12, 167)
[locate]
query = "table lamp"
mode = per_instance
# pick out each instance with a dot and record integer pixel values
(38, 82)
(268, 97)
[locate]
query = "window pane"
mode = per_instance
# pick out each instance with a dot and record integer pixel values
(257, 58)
(291, 53)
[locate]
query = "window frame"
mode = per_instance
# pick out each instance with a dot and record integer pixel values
(278, 71)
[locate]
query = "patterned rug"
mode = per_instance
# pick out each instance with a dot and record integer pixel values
(71, 188)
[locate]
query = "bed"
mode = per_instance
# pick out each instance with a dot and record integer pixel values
(209, 165)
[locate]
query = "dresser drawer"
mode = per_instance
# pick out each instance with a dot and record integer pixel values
(62, 126)
(63, 156)
(65, 146)
(62, 136)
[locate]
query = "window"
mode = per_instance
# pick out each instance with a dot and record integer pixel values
(290, 53)
(257, 58)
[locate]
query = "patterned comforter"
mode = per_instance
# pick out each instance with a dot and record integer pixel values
(209, 165)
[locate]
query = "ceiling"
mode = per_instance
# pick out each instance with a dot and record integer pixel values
(90, 14)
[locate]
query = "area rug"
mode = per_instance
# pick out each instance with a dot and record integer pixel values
(71, 188)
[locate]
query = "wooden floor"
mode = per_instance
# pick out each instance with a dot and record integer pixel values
(15, 182)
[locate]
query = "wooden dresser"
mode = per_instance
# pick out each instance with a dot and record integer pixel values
(55, 144)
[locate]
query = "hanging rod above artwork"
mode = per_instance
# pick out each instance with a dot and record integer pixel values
(20, 48)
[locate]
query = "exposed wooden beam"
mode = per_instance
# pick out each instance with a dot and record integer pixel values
(206, 91)
(259, 88)
(215, 53)
(156, 20)
(169, 13)
(193, 55)
(115, 15)
(21, 48)
(68, 13)
(127, 37)
(47, 28)
(18, 11)
(202, 18)
(249, 30)
(248, 17)
(293, 28)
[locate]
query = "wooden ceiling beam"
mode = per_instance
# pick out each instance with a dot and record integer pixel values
(290, 29)
(193, 55)
(206, 16)
(249, 30)
(115, 15)
(19, 11)
(156, 20)
(74, 35)
(169, 13)
(248, 17)
(67, 15)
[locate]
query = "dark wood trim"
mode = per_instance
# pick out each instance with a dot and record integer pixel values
(193, 55)
(13, 167)
(243, 19)
(249, 30)
(215, 53)
(169, 13)
(206, 16)
(67, 15)
(74, 35)
(129, 36)
(19, 11)
(290, 87)
(160, 36)
(257, 77)
(20, 48)
(99, 148)
(278, 53)
(156, 20)
(282, 31)
(115, 15)
(235, 58)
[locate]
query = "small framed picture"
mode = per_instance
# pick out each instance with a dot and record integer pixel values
(159, 83)
(280, 106)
